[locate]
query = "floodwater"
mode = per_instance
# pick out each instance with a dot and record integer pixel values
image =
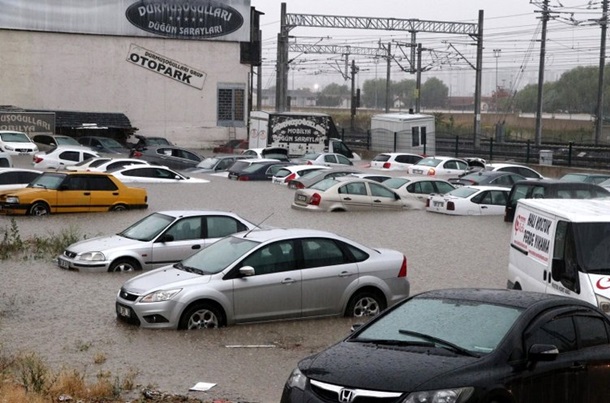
(68, 317)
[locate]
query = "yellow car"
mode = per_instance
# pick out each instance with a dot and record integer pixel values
(72, 192)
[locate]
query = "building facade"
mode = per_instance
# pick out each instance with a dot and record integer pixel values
(175, 68)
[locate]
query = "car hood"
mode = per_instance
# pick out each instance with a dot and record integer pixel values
(25, 191)
(399, 369)
(105, 244)
(166, 277)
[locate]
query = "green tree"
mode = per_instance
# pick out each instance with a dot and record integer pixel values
(373, 93)
(333, 95)
(434, 93)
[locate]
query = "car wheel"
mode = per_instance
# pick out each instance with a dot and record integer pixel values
(120, 265)
(201, 316)
(39, 209)
(118, 207)
(365, 303)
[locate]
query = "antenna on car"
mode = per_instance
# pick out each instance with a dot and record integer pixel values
(258, 225)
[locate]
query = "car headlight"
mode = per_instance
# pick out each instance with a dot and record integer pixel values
(456, 395)
(12, 199)
(297, 380)
(91, 256)
(161, 295)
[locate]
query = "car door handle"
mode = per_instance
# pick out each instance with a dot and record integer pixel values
(377, 201)
(345, 274)
(196, 247)
(288, 281)
(483, 206)
(87, 193)
(347, 198)
(115, 193)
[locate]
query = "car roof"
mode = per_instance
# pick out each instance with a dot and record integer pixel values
(506, 164)
(270, 234)
(557, 182)
(71, 148)
(485, 187)
(516, 298)
(190, 213)
(306, 166)
(490, 174)
(396, 153)
(13, 169)
(576, 210)
(419, 178)
(443, 158)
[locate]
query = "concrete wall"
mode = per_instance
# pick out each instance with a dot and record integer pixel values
(90, 73)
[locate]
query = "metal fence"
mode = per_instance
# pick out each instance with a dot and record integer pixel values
(527, 152)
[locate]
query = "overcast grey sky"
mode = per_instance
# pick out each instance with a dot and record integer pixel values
(512, 26)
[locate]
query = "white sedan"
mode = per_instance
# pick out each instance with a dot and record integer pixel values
(62, 157)
(415, 189)
(14, 178)
(440, 167)
(470, 200)
(152, 174)
(116, 163)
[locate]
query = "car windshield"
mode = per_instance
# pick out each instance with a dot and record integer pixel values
(324, 184)
(310, 156)
(157, 141)
(395, 183)
(429, 162)
(462, 192)
(208, 163)
(252, 168)
(66, 141)
(48, 181)
(148, 228)
(219, 255)
(592, 246)
(14, 137)
(452, 327)
(110, 143)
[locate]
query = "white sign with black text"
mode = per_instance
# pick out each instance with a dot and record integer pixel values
(167, 67)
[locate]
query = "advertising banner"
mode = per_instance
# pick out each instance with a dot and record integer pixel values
(532, 233)
(28, 122)
(224, 20)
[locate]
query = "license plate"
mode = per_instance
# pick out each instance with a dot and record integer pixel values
(64, 264)
(418, 171)
(438, 204)
(301, 198)
(122, 311)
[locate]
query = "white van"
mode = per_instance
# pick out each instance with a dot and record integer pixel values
(562, 246)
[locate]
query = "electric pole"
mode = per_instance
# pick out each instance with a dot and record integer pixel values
(545, 18)
(602, 64)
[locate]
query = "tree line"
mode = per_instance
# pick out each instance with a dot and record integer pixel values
(574, 92)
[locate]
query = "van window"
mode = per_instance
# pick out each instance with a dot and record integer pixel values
(593, 246)
(538, 192)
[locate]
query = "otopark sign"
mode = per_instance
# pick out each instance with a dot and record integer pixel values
(185, 19)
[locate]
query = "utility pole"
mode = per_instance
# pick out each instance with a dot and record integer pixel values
(387, 79)
(418, 80)
(545, 18)
(353, 103)
(477, 89)
(497, 56)
(600, 85)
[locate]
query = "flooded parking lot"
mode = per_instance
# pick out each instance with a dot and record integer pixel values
(68, 317)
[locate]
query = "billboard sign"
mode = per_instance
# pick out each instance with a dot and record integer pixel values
(28, 122)
(226, 20)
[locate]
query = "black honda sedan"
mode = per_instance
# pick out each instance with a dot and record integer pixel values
(465, 345)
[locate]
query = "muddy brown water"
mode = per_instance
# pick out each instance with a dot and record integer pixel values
(68, 317)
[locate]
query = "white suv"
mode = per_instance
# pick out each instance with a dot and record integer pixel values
(16, 143)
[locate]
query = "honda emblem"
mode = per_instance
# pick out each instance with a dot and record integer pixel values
(346, 396)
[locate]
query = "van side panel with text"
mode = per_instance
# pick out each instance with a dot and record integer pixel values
(562, 247)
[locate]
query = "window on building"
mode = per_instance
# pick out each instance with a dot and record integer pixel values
(231, 105)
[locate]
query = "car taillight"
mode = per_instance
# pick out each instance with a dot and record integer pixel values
(290, 177)
(431, 172)
(136, 154)
(243, 178)
(37, 159)
(315, 199)
(387, 165)
(450, 206)
(299, 185)
(403, 268)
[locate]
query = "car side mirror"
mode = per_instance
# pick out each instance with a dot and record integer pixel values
(542, 352)
(247, 271)
(166, 238)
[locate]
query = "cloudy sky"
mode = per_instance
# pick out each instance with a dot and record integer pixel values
(512, 28)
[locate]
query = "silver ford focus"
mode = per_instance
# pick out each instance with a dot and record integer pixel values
(264, 275)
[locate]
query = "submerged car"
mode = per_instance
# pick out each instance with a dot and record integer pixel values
(72, 192)
(62, 157)
(156, 240)
(347, 193)
(15, 178)
(470, 200)
(153, 174)
(170, 156)
(415, 189)
(218, 163)
(441, 167)
(264, 275)
(465, 346)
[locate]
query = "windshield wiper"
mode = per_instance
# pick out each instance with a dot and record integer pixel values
(189, 269)
(442, 342)
(395, 342)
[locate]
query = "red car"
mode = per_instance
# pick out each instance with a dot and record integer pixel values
(231, 146)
